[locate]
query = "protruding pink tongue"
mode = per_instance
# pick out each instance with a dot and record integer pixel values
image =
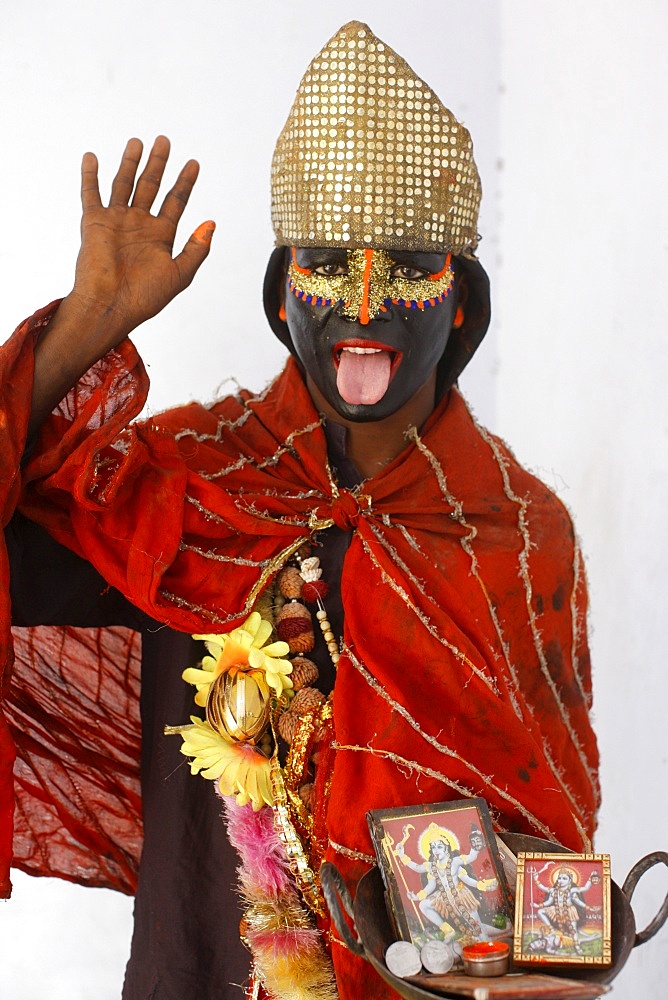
(363, 378)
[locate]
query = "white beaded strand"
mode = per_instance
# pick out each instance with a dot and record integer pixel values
(310, 571)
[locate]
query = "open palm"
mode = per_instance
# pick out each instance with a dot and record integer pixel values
(125, 271)
(125, 268)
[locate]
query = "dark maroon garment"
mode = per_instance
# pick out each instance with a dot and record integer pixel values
(186, 930)
(186, 917)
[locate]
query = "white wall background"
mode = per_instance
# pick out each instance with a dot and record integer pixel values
(581, 388)
(565, 102)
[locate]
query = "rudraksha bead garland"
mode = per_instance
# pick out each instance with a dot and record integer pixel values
(298, 582)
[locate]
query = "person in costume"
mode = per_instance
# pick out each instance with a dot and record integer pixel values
(380, 585)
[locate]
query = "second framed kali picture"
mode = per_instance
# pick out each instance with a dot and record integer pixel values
(442, 873)
(562, 912)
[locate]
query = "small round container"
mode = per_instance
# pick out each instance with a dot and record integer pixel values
(486, 958)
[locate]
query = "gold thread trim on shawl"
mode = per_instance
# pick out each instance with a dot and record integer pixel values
(401, 762)
(221, 424)
(349, 852)
(286, 447)
(262, 515)
(273, 566)
(217, 557)
(287, 495)
(240, 463)
(587, 843)
(397, 560)
(181, 602)
(441, 747)
(457, 653)
(274, 459)
(524, 534)
(466, 544)
(407, 535)
(413, 765)
(525, 576)
(207, 514)
(579, 629)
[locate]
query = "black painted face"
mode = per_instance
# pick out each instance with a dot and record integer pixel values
(369, 326)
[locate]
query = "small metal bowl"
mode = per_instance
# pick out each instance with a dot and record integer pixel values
(486, 958)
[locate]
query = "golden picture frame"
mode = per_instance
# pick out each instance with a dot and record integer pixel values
(562, 910)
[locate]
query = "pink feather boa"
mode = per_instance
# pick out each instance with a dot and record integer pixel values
(288, 951)
(264, 870)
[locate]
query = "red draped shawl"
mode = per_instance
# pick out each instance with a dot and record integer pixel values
(465, 668)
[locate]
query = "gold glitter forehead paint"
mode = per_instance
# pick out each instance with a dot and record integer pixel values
(368, 285)
(369, 157)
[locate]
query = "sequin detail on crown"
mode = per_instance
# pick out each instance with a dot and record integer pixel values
(370, 157)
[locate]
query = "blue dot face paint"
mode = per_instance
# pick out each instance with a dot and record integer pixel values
(369, 326)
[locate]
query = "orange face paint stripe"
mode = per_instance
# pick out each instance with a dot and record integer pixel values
(302, 270)
(437, 277)
(364, 307)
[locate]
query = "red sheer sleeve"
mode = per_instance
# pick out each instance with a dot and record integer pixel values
(69, 804)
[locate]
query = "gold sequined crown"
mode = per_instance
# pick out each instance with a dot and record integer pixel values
(369, 157)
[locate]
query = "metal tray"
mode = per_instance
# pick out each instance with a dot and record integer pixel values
(372, 931)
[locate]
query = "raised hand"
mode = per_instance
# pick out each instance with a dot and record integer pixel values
(125, 271)
(125, 267)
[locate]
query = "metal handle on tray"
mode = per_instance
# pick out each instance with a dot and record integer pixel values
(630, 883)
(336, 893)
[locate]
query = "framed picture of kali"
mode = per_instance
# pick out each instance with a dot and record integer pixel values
(442, 873)
(562, 913)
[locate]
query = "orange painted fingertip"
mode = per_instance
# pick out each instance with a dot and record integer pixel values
(204, 232)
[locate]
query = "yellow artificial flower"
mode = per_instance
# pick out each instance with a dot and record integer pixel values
(243, 646)
(239, 768)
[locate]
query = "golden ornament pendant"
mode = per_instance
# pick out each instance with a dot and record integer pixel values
(239, 704)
